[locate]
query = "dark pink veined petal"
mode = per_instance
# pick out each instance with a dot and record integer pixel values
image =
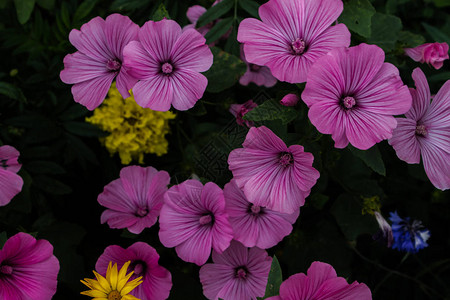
(125, 82)
(79, 67)
(439, 111)
(155, 93)
(404, 141)
(235, 255)
(318, 273)
(197, 247)
(262, 138)
(190, 52)
(416, 53)
(268, 80)
(305, 175)
(385, 94)
(91, 93)
(246, 230)
(115, 254)
(289, 68)
(139, 63)
(119, 31)
(236, 289)
(364, 128)
(273, 227)
(221, 232)
(10, 156)
(158, 38)
(319, 15)
(436, 161)
(188, 87)
(194, 13)
(91, 40)
(338, 288)
(144, 222)
(293, 288)
(116, 198)
(421, 96)
(214, 277)
(171, 221)
(118, 219)
(10, 185)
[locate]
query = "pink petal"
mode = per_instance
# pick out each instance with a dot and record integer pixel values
(195, 12)
(155, 93)
(118, 220)
(262, 138)
(284, 16)
(119, 31)
(318, 273)
(404, 141)
(436, 162)
(125, 82)
(197, 247)
(91, 93)
(139, 63)
(116, 198)
(214, 277)
(421, 96)
(416, 53)
(79, 67)
(438, 113)
(10, 185)
(10, 156)
(188, 86)
(319, 15)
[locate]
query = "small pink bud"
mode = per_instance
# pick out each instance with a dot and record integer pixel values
(289, 100)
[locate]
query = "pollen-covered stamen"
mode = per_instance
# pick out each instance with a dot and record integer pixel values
(114, 295)
(286, 159)
(241, 273)
(298, 46)
(7, 270)
(421, 130)
(142, 211)
(113, 65)
(206, 219)
(167, 68)
(348, 102)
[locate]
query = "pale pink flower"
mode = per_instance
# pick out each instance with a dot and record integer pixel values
(193, 220)
(167, 61)
(239, 273)
(156, 280)
(135, 199)
(290, 100)
(270, 173)
(431, 53)
(293, 34)
(99, 59)
(239, 111)
(353, 94)
(321, 283)
(255, 225)
(10, 183)
(426, 131)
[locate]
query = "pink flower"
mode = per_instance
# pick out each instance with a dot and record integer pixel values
(157, 281)
(431, 53)
(239, 111)
(167, 62)
(28, 269)
(99, 59)
(352, 95)
(255, 225)
(293, 34)
(193, 219)
(135, 199)
(271, 174)
(290, 100)
(257, 74)
(10, 183)
(321, 283)
(193, 14)
(426, 131)
(238, 273)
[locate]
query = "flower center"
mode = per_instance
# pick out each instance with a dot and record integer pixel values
(298, 46)
(348, 102)
(7, 270)
(138, 268)
(286, 159)
(421, 130)
(114, 295)
(167, 68)
(113, 65)
(142, 211)
(254, 68)
(206, 219)
(241, 273)
(255, 209)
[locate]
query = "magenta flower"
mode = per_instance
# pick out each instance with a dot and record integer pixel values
(238, 273)
(10, 183)
(157, 281)
(193, 219)
(293, 34)
(135, 199)
(426, 131)
(352, 95)
(431, 53)
(321, 283)
(255, 225)
(271, 174)
(28, 269)
(290, 100)
(239, 111)
(167, 62)
(259, 75)
(99, 59)
(193, 14)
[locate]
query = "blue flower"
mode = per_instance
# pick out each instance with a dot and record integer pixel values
(408, 236)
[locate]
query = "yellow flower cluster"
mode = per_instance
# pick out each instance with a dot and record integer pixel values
(134, 130)
(371, 205)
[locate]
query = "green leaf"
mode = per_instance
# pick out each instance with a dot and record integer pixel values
(232, 46)
(12, 92)
(24, 8)
(84, 129)
(410, 40)
(347, 211)
(219, 29)
(443, 76)
(74, 112)
(441, 3)
(272, 110)
(385, 31)
(65, 15)
(357, 16)
(436, 34)
(224, 72)
(250, 6)
(161, 13)
(46, 4)
(44, 167)
(371, 157)
(275, 279)
(3, 239)
(51, 185)
(215, 12)
(84, 9)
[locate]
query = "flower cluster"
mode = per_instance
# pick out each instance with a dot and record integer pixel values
(134, 131)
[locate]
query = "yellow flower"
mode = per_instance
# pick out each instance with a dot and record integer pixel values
(134, 130)
(371, 205)
(114, 287)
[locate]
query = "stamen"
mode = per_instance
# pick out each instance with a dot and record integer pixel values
(7, 270)
(167, 68)
(421, 130)
(142, 211)
(113, 65)
(206, 219)
(114, 295)
(241, 273)
(255, 209)
(349, 102)
(286, 159)
(298, 46)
